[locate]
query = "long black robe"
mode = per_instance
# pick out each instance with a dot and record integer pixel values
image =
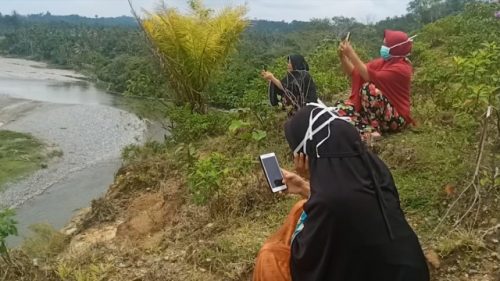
(352, 232)
(300, 88)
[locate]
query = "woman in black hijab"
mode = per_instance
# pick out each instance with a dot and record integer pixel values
(296, 89)
(352, 227)
(355, 228)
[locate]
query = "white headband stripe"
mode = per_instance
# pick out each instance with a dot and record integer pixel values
(312, 120)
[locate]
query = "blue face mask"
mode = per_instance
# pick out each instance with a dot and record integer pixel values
(385, 52)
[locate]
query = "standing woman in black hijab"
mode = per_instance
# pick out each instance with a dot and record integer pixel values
(296, 89)
(352, 227)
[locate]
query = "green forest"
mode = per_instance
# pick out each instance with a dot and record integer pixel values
(446, 167)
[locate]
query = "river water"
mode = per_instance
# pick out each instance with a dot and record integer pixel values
(69, 114)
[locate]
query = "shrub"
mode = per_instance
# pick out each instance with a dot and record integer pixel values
(478, 78)
(205, 178)
(7, 228)
(188, 127)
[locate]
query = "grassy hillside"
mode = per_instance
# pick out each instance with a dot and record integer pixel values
(197, 206)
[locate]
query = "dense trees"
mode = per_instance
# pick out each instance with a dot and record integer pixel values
(116, 55)
(115, 52)
(426, 11)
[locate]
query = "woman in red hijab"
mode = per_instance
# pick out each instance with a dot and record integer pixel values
(380, 97)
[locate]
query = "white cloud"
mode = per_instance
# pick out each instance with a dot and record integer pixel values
(262, 9)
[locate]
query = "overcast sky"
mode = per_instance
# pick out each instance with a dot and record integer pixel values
(288, 10)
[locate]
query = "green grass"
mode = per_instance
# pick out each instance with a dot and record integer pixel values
(20, 154)
(423, 162)
(439, 151)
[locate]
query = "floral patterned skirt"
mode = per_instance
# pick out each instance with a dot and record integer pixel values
(377, 113)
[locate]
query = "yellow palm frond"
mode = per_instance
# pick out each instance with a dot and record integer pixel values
(194, 45)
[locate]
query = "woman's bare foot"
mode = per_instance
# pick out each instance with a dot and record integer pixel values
(370, 138)
(375, 136)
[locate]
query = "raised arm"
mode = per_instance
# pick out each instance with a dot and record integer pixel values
(358, 64)
(270, 77)
(345, 63)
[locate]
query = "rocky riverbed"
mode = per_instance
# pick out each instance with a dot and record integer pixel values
(69, 115)
(85, 134)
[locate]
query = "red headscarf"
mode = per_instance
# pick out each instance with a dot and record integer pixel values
(392, 77)
(399, 38)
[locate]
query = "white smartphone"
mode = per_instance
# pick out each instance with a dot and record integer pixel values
(272, 171)
(347, 37)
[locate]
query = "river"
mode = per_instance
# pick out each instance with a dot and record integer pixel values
(66, 112)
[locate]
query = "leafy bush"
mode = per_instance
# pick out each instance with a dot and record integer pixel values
(478, 78)
(433, 73)
(7, 228)
(245, 132)
(326, 72)
(206, 177)
(227, 90)
(457, 60)
(189, 127)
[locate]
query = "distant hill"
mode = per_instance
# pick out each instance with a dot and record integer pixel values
(9, 22)
(17, 19)
(128, 21)
(76, 19)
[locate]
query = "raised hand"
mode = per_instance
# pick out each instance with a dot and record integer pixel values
(267, 75)
(301, 162)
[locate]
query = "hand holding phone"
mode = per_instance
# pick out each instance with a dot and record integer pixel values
(347, 37)
(272, 171)
(295, 184)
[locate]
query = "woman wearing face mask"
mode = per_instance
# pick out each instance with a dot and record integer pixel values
(380, 97)
(296, 89)
(350, 226)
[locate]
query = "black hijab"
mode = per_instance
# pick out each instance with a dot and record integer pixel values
(298, 62)
(300, 88)
(353, 205)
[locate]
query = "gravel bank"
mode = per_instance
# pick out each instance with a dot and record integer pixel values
(86, 134)
(33, 70)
